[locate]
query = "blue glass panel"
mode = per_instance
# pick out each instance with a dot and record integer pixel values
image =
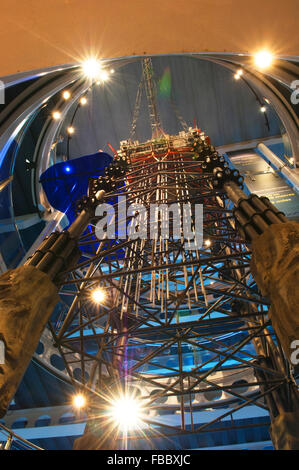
(66, 182)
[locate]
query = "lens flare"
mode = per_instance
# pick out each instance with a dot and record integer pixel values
(79, 401)
(263, 59)
(104, 76)
(98, 296)
(91, 68)
(126, 412)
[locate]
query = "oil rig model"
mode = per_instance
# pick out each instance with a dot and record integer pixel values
(194, 330)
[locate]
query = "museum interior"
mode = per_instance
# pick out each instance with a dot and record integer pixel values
(149, 235)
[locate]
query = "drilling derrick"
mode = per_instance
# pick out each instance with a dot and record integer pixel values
(151, 95)
(169, 297)
(186, 328)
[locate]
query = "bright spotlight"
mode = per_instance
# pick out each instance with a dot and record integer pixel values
(112, 71)
(56, 115)
(263, 59)
(66, 95)
(79, 401)
(70, 130)
(91, 68)
(98, 296)
(208, 243)
(126, 412)
(238, 74)
(83, 100)
(263, 109)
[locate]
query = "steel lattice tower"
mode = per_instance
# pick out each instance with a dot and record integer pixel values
(183, 327)
(180, 327)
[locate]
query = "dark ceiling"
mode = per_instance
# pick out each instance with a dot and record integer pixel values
(188, 88)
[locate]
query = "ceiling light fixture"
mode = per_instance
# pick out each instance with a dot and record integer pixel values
(238, 74)
(56, 115)
(70, 130)
(91, 68)
(83, 100)
(263, 59)
(66, 95)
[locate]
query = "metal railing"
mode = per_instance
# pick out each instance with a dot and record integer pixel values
(11, 437)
